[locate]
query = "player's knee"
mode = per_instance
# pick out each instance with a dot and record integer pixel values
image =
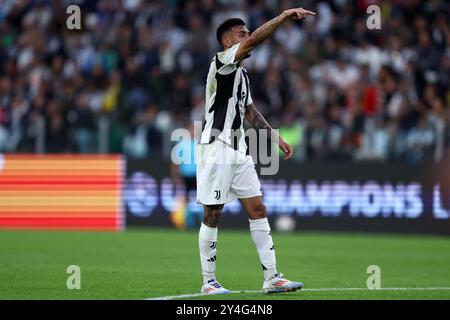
(259, 211)
(212, 216)
(215, 214)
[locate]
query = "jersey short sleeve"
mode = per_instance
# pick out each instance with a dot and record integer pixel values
(226, 60)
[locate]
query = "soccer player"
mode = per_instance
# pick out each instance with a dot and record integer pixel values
(224, 171)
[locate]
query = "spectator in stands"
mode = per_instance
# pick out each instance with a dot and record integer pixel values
(347, 87)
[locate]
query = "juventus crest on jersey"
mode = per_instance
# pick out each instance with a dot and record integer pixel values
(227, 96)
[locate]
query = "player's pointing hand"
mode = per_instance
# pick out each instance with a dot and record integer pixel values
(298, 13)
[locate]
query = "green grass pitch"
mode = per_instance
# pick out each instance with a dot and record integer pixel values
(146, 263)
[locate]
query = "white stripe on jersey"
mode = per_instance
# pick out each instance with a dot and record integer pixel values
(227, 96)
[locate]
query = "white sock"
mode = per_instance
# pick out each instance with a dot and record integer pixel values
(207, 241)
(262, 237)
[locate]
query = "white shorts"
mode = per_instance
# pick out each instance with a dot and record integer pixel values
(224, 174)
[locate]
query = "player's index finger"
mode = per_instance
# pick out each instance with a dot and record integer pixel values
(311, 13)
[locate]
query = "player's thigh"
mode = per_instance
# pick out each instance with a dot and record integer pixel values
(245, 182)
(214, 175)
(213, 183)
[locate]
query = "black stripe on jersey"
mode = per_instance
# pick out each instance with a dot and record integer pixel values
(218, 63)
(224, 91)
(247, 84)
(235, 132)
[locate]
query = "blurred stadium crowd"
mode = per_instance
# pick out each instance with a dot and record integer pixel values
(136, 70)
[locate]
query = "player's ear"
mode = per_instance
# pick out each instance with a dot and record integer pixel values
(226, 40)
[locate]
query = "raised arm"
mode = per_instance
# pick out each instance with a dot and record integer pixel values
(267, 29)
(258, 122)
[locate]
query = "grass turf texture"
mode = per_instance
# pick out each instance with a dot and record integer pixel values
(145, 263)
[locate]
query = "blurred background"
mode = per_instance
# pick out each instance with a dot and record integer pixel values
(371, 105)
(137, 69)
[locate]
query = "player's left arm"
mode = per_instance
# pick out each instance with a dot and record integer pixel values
(257, 120)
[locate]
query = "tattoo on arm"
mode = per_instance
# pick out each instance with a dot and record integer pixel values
(267, 29)
(259, 35)
(257, 120)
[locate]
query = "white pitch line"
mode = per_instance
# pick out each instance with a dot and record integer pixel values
(193, 295)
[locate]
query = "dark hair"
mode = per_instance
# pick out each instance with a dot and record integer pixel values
(227, 25)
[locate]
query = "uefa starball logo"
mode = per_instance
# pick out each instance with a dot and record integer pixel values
(232, 147)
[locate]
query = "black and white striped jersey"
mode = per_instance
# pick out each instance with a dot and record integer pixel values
(227, 96)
